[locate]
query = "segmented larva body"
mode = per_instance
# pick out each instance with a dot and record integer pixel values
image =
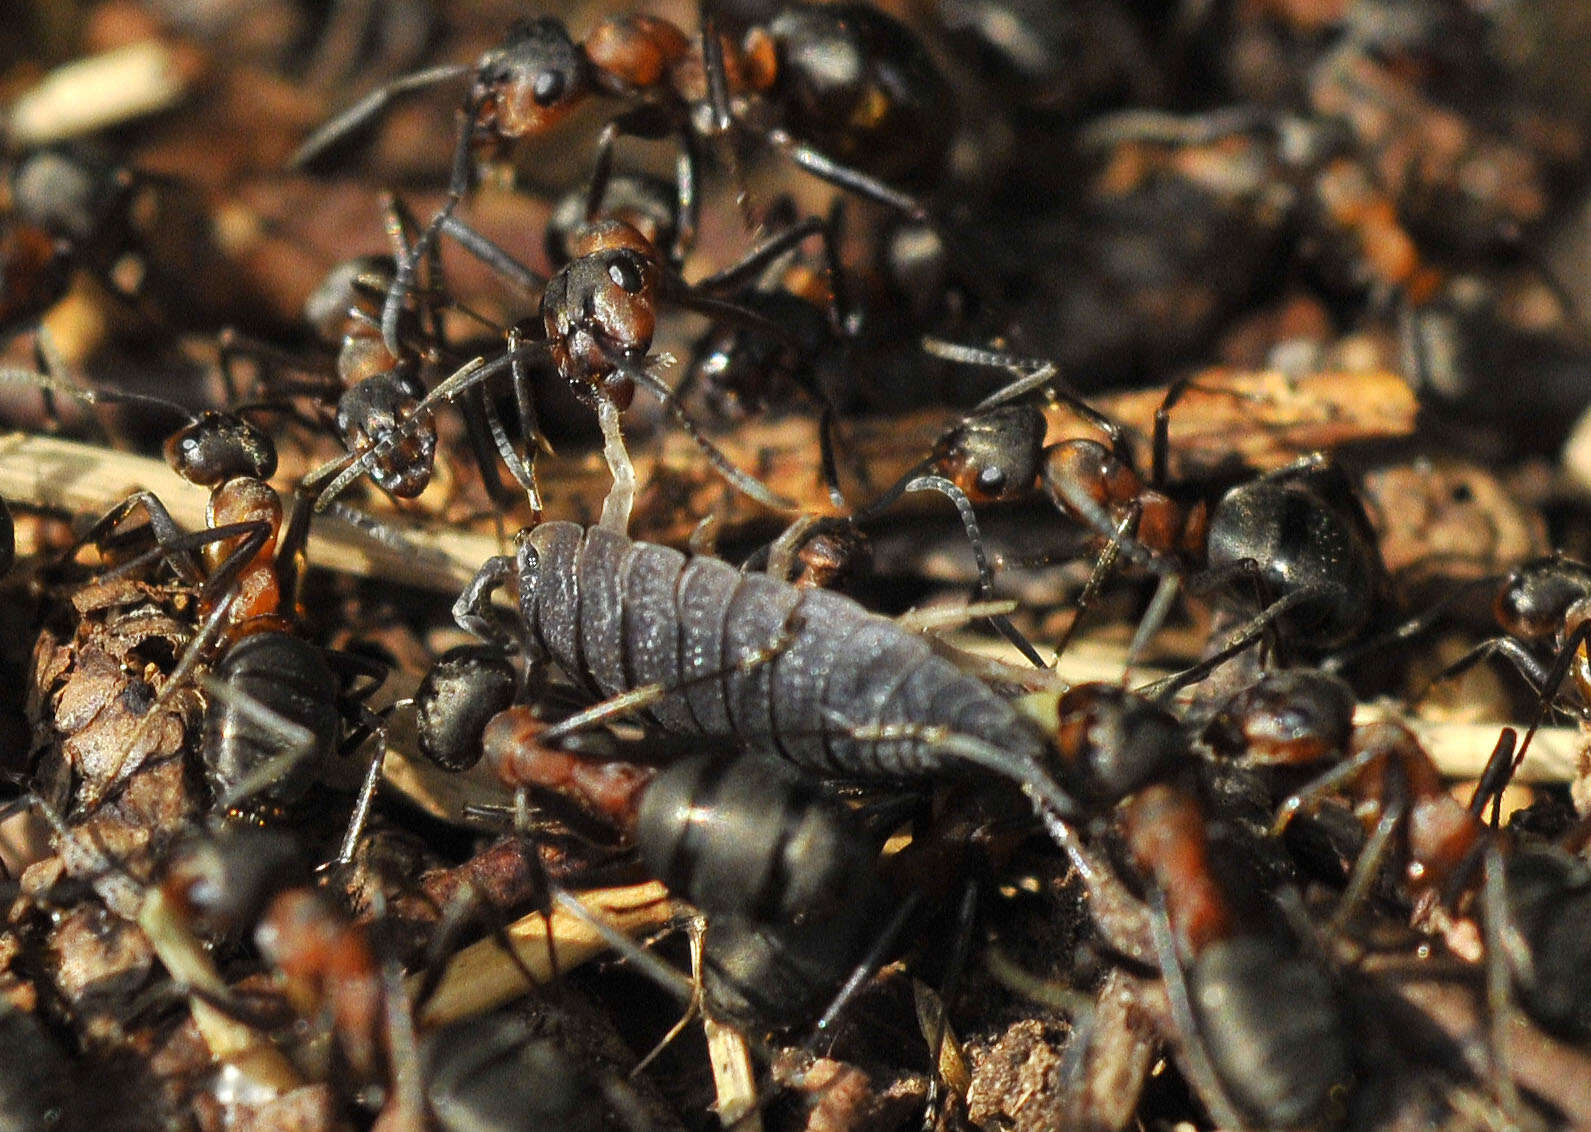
(617, 615)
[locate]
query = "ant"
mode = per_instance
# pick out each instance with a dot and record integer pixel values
(271, 691)
(379, 388)
(856, 101)
(1450, 854)
(69, 209)
(598, 315)
(246, 880)
(1268, 1037)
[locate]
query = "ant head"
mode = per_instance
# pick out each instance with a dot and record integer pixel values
(532, 80)
(600, 309)
(1309, 540)
(221, 883)
(1296, 716)
(358, 284)
(994, 455)
(1111, 742)
(218, 447)
(377, 410)
(70, 191)
(464, 689)
(1535, 598)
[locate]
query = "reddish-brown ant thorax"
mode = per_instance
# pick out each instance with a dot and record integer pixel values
(1442, 835)
(246, 500)
(1092, 467)
(757, 60)
(1165, 834)
(638, 50)
(512, 747)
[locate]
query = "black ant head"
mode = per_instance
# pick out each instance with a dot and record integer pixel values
(218, 447)
(1111, 742)
(1535, 598)
(1292, 717)
(531, 81)
(221, 883)
(464, 689)
(600, 309)
(994, 455)
(360, 283)
(374, 416)
(71, 192)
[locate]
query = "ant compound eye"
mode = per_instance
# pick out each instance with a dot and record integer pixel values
(626, 274)
(548, 87)
(991, 480)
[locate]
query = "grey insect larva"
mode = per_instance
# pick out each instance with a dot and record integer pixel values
(809, 674)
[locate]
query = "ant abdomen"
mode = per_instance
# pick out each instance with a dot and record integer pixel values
(752, 837)
(1275, 1028)
(288, 677)
(1549, 904)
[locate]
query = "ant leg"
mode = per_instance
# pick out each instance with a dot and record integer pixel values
(969, 522)
(1526, 663)
(523, 471)
(492, 254)
(742, 482)
(836, 173)
(647, 963)
(161, 525)
(745, 271)
(367, 789)
(477, 615)
(841, 315)
(1243, 637)
(1568, 652)
(1409, 629)
(484, 448)
(930, 1007)
(232, 345)
(712, 49)
(687, 194)
(865, 970)
(1324, 784)
(1496, 930)
(1103, 566)
(782, 551)
(367, 108)
(1495, 775)
(1367, 867)
(458, 185)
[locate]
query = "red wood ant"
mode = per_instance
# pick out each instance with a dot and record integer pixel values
(598, 315)
(1267, 1030)
(278, 700)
